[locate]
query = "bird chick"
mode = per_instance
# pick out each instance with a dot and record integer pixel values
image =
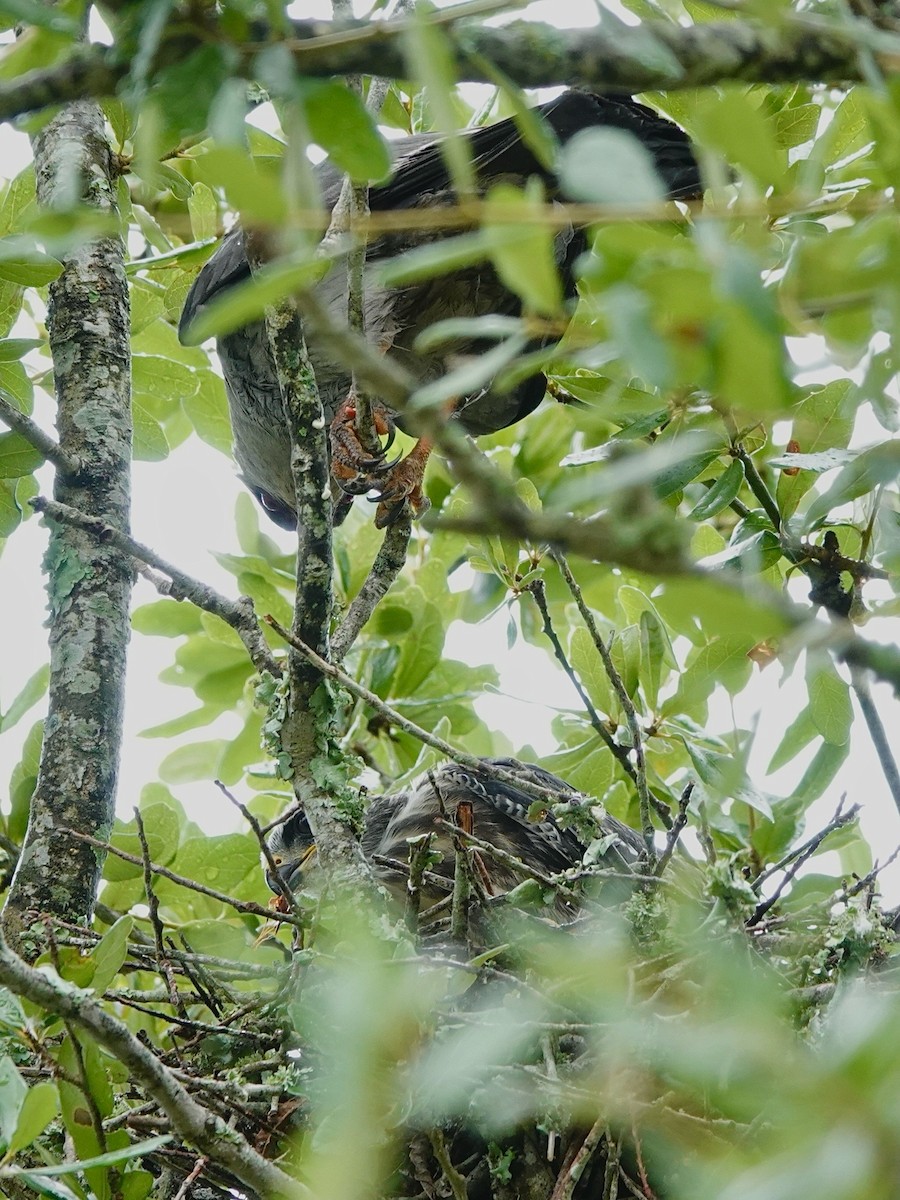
(500, 817)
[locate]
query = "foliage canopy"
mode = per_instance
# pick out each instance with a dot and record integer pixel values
(711, 485)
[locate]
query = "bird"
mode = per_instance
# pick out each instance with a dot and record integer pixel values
(396, 316)
(501, 815)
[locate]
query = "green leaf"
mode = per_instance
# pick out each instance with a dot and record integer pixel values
(204, 212)
(30, 694)
(724, 777)
(826, 763)
(796, 737)
(345, 129)
(822, 460)
(794, 126)
(722, 492)
(880, 464)
(166, 618)
(23, 780)
(134, 1150)
(823, 420)
(189, 764)
(41, 1105)
(680, 474)
(109, 954)
(12, 349)
(246, 302)
(731, 122)
(586, 660)
(207, 411)
(420, 649)
(609, 166)
(830, 708)
(13, 1090)
(32, 270)
(17, 457)
(433, 258)
(523, 252)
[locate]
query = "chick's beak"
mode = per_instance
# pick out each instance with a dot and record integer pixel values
(291, 870)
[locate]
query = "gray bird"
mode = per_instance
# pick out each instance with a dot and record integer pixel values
(499, 817)
(396, 316)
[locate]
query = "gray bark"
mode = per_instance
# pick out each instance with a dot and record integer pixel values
(654, 55)
(89, 584)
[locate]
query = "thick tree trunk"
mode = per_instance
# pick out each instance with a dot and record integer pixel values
(89, 583)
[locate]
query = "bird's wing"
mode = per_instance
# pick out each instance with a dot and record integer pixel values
(227, 267)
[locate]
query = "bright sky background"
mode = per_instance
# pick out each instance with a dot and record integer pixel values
(183, 508)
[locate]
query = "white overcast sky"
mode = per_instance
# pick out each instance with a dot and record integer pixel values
(184, 508)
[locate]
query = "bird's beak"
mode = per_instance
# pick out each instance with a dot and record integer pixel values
(292, 874)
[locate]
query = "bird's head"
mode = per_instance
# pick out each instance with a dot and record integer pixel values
(293, 849)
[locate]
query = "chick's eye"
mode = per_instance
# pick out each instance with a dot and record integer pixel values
(278, 860)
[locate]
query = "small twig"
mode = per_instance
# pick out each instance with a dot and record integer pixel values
(568, 1179)
(35, 436)
(454, 1179)
(418, 1151)
(238, 614)
(260, 836)
(675, 832)
(162, 960)
(547, 1051)
(839, 819)
(875, 726)
(867, 880)
(419, 858)
(199, 1167)
(611, 1170)
(755, 481)
(462, 873)
(801, 857)
(247, 906)
(538, 593)
(204, 1027)
(639, 773)
(388, 564)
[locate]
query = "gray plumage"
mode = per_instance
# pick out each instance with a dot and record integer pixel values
(395, 317)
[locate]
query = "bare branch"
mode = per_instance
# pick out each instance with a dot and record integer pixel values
(32, 433)
(532, 55)
(239, 614)
(877, 733)
(634, 728)
(246, 906)
(388, 564)
(193, 1121)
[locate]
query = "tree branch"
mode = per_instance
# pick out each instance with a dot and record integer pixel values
(307, 734)
(89, 584)
(32, 433)
(410, 727)
(238, 614)
(532, 55)
(389, 562)
(193, 1122)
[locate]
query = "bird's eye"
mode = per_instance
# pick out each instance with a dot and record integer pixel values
(277, 510)
(277, 859)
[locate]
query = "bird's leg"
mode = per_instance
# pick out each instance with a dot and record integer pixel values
(354, 466)
(402, 485)
(356, 470)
